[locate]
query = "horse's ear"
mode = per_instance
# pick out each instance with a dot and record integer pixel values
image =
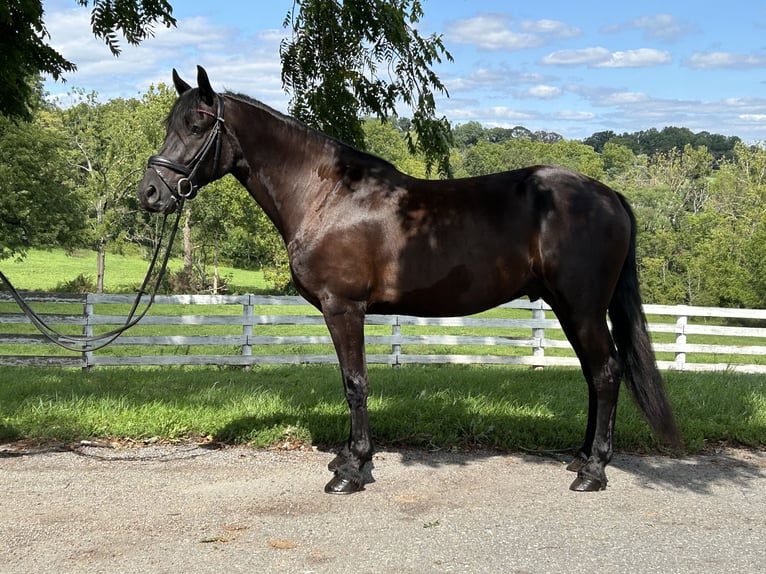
(205, 89)
(180, 85)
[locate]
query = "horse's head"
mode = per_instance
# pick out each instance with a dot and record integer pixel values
(193, 153)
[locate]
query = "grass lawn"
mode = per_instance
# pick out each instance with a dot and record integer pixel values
(442, 407)
(43, 270)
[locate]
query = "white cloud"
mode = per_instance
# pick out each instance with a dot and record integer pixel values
(712, 60)
(495, 32)
(467, 110)
(273, 35)
(552, 28)
(507, 113)
(571, 115)
(490, 32)
(543, 91)
(599, 57)
(245, 64)
(482, 77)
(460, 114)
(621, 99)
(664, 27)
(584, 56)
(641, 58)
(499, 79)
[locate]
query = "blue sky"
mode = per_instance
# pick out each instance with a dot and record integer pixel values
(571, 67)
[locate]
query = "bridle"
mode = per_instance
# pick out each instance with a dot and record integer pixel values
(186, 188)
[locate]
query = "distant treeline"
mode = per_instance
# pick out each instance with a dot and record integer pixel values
(652, 141)
(647, 142)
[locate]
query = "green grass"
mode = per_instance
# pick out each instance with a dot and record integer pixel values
(44, 270)
(445, 407)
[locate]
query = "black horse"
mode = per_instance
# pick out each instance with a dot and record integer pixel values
(363, 237)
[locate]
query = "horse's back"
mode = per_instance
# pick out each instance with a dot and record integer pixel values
(456, 247)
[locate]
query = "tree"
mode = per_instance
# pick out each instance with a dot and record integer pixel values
(572, 154)
(499, 135)
(38, 203)
(24, 54)
(485, 158)
(599, 139)
(335, 62)
(732, 254)
(108, 146)
(619, 160)
(652, 140)
(547, 137)
(385, 141)
(686, 172)
(468, 134)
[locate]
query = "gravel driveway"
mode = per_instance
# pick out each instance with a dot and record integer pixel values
(190, 509)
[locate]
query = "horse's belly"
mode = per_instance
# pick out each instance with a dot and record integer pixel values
(461, 290)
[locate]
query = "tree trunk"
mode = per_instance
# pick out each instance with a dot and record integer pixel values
(187, 241)
(101, 251)
(215, 265)
(100, 267)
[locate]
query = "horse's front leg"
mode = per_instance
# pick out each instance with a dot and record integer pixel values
(346, 326)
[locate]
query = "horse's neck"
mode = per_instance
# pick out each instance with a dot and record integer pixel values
(287, 171)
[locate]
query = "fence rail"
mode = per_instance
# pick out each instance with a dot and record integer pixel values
(246, 330)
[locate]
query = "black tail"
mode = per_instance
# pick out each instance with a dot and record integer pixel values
(631, 336)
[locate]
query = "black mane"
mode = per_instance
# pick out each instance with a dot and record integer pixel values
(347, 150)
(191, 101)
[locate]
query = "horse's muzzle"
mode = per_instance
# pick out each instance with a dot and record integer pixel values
(154, 195)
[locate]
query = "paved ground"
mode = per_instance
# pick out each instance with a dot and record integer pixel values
(191, 509)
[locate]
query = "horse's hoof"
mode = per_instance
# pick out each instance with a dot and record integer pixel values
(587, 484)
(576, 464)
(343, 485)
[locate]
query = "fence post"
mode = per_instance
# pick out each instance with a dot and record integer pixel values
(681, 323)
(247, 328)
(396, 348)
(538, 334)
(87, 330)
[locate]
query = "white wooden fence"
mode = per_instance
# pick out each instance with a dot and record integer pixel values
(246, 330)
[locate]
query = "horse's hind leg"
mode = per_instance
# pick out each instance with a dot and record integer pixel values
(346, 326)
(593, 344)
(590, 430)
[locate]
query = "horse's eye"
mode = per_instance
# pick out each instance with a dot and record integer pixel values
(196, 130)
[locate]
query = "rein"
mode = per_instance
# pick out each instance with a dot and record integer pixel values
(83, 343)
